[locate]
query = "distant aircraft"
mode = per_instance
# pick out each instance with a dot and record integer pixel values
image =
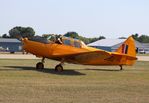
(74, 51)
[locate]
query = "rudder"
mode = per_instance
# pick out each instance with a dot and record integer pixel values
(128, 47)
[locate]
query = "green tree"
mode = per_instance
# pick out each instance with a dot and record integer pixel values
(19, 31)
(101, 37)
(144, 39)
(136, 36)
(84, 39)
(72, 34)
(5, 36)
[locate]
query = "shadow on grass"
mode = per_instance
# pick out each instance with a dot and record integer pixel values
(45, 70)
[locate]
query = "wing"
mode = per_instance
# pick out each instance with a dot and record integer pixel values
(82, 58)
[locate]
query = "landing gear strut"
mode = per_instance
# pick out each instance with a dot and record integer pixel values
(40, 65)
(121, 67)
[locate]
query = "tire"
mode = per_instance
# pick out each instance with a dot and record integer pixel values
(59, 68)
(39, 66)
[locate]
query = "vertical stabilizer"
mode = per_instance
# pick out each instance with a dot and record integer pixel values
(128, 47)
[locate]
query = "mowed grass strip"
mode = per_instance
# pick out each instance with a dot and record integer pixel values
(21, 83)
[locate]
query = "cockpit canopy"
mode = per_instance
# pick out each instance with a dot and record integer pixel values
(73, 42)
(60, 40)
(66, 41)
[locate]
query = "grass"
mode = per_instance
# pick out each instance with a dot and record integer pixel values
(21, 83)
(142, 54)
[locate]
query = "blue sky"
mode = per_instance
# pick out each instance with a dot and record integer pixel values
(89, 18)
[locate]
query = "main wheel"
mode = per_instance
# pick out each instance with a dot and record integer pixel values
(59, 68)
(39, 65)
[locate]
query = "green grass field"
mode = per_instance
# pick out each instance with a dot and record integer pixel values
(142, 54)
(21, 83)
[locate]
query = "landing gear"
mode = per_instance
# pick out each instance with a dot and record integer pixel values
(121, 67)
(40, 65)
(59, 68)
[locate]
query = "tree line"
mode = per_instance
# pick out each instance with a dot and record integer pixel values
(19, 32)
(84, 39)
(141, 38)
(75, 35)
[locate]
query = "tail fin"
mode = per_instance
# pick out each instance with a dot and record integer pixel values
(128, 47)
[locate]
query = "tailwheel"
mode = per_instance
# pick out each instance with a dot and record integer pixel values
(39, 66)
(59, 68)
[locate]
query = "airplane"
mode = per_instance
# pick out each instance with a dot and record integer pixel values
(77, 52)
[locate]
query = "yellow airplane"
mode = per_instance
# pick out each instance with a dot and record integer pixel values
(75, 51)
